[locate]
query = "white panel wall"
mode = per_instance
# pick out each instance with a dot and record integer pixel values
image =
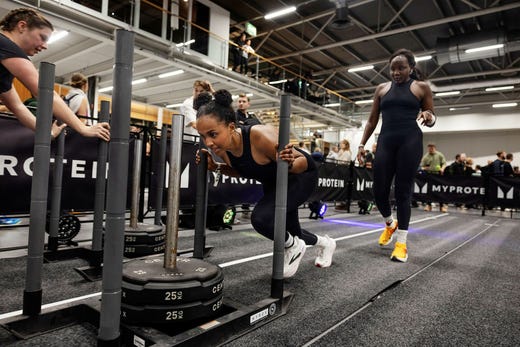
(219, 27)
(481, 146)
(479, 134)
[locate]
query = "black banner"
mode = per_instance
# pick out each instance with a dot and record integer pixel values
(504, 192)
(453, 189)
(332, 182)
(16, 159)
(363, 181)
(79, 170)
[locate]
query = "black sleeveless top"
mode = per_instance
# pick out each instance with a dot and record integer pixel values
(246, 165)
(399, 108)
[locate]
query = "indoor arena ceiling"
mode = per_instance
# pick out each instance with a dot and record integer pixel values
(306, 43)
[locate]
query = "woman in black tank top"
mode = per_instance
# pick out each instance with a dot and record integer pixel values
(402, 102)
(251, 152)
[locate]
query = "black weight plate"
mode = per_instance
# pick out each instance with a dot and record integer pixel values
(132, 251)
(150, 314)
(134, 238)
(142, 271)
(143, 228)
(169, 293)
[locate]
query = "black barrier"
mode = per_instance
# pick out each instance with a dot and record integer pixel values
(332, 183)
(80, 168)
(16, 165)
(504, 192)
(362, 181)
(452, 189)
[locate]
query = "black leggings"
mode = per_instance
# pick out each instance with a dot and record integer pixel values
(301, 186)
(397, 155)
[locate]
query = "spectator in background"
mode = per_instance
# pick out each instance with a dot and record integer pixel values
(478, 170)
(344, 153)
(516, 171)
(301, 147)
(236, 51)
(434, 163)
(333, 154)
(496, 167)
(243, 116)
(77, 99)
(468, 169)
(508, 168)
(457, 167)
(370, 156)
(317, 155)
(190, 115)
(244, 58)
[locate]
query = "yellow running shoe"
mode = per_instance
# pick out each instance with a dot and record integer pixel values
(387, 234)
(400, 253)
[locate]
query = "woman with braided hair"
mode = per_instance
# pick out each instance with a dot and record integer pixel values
(250, 151)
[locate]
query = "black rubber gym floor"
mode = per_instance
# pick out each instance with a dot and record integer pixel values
(460, 286)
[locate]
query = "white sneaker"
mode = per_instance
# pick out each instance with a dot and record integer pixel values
(292, 257)
(325, 252)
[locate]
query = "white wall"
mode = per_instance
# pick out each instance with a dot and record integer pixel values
(219, 27)
(481, 146)
(479, 134)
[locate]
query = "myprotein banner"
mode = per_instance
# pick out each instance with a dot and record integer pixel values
(504, 192)
(363, 182)
(16, 165)
(332, 182)
(453, 189)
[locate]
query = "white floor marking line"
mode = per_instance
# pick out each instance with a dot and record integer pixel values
(223, 265)
(52, 304)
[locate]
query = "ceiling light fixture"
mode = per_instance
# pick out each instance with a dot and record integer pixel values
(508, 104)
(280, 13)
(57, 35)
(171, 73)
(485, 48)
(105, 89)
(174, 105)
(189, 42)
(278, 82)
(454, 92)
(423, 58)
(361, 68)
(362, 102)
(335, 104)
(459, 108)
(139, 81)
(494, 89)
